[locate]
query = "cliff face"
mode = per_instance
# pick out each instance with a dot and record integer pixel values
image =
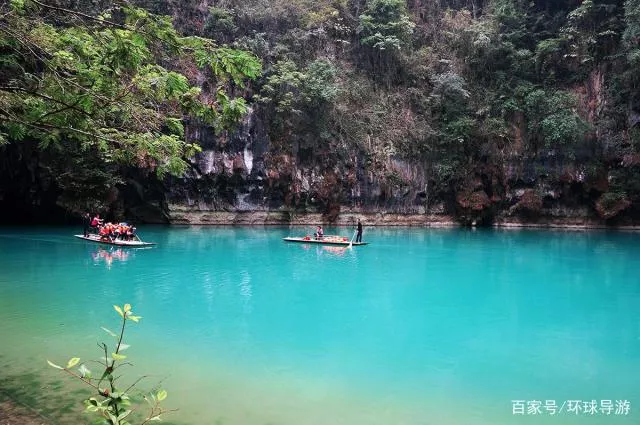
(428, 131)
(239, 173)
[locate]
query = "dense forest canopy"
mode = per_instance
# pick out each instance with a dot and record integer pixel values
(486, 96)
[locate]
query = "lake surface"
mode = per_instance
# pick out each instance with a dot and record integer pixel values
(421, 327)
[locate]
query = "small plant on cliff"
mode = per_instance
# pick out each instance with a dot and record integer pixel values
(111, 403)
(611, 204)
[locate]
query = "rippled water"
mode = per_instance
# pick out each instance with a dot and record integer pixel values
(420, 327)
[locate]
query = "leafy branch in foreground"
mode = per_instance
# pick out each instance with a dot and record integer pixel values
(110, 402)
(115, 84)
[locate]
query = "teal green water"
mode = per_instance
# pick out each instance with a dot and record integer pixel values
(420, 327)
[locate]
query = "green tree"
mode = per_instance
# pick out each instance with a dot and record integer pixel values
(552, 120)
(111, 85)
(385, 25)
(631, 34)
(591, 32)
(220, 24)
(298, 100)
(383, 30)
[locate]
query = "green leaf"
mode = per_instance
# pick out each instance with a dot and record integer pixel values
(74, 361)
(16, 131)
(127, 308)
(54, 365)
(92, 401)
(124, 415)
(119, 310)
(162, 394)
(175, 126)
(84, 371)
(17, 5)
(123, 347)
(113, 418)
(117, 356)
(135, 318)
(91, 408)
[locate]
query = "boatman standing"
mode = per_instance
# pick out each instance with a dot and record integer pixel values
(86, 221)
(359, 235)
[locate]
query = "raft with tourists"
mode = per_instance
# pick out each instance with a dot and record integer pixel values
(320, 238)
(119, 234)
(324, 240)
(118, 242)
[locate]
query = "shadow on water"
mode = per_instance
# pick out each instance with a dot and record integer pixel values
(56, 401)
(44, 398)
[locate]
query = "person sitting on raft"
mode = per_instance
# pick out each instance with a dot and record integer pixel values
(131, 233)
(106, 232)
(319, 234)
(118, 231)
(127, 232)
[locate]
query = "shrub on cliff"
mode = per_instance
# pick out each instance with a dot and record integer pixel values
(530, 204)
(610, 204)
(474, 207)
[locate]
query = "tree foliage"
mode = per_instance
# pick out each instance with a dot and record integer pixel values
(100, 84)
(385, 25)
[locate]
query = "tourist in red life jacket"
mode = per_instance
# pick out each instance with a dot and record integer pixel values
(96, 222)
(104, 232)
(107, 232)
(117, 231)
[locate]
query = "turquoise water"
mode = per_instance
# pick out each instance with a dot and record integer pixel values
(423, 326)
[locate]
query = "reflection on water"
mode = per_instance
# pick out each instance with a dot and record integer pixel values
(335, 250)
(108, 255)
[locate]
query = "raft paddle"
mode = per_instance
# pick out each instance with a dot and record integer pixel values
(351, 242)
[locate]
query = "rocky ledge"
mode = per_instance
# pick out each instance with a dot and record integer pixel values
(180, 214)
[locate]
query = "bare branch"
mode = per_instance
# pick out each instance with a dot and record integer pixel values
(81, 378)
(135, 383)
(83, 15)
(49, 98)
